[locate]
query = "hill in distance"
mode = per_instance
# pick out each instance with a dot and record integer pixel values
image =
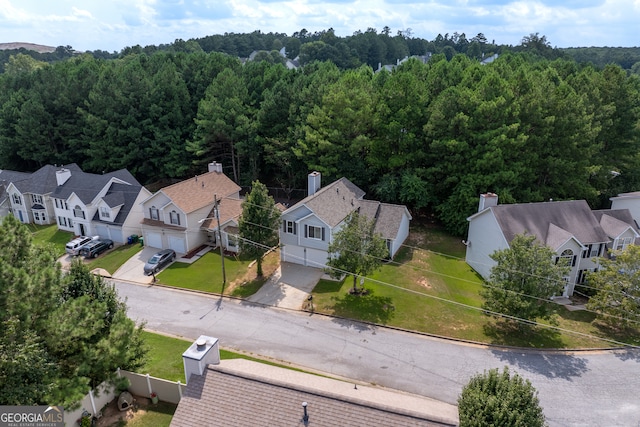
(28, 46)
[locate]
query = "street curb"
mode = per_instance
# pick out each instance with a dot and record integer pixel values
(395, 328)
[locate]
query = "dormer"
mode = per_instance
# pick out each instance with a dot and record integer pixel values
(109, 206)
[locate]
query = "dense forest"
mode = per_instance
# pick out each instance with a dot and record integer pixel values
(429, 135)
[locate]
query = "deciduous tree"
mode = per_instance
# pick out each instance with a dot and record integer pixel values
(617, 284)
(356, 249)
(499, 399)
(524, 279)
(258, 224)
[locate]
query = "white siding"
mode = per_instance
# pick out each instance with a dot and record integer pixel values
(484, 238)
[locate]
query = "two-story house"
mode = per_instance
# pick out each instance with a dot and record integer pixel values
(578, 235)
(182, 216)
(309, 225)
(82, 203)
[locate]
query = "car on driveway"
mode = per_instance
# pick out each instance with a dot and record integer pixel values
(159, 260)
(95, 248)
(74, 246)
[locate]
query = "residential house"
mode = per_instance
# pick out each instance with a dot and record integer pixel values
(246, 393)
(571, 229)
(629, 201)
(79, 202)
(7, 177)
(182, 216)
(309, 225)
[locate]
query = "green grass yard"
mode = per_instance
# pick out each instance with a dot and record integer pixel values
(113, 259)
(49, 234)
(429, 288)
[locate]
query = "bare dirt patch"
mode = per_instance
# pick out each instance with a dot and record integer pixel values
(112, 416)
(424, 283)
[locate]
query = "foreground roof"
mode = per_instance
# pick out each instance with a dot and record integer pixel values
(238, 398)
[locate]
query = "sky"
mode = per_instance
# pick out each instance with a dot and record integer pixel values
(112, 25)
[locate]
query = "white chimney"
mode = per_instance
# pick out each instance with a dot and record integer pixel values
(202, 352)
(487, 200)
(314, 183)
(215, 167)
(62, 176)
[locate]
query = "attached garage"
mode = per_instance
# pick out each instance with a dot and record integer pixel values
(177, 244)
(103, 231)
(153, 240)
(304, 256)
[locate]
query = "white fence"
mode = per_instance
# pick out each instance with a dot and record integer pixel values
(140, 385)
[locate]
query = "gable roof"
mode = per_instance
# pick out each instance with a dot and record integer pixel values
(230, 209)
(572, 216)
(615, 221)
(120, 195)
(195, 193)
(87, 185)
(333, 202)
(387, 217)
(7, 177)
(245, 397)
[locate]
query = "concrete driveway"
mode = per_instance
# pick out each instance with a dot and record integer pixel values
(288, 287)
(132, 270)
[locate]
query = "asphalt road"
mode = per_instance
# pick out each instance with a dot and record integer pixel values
(575, 388)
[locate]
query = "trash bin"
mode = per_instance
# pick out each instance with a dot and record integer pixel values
(132, 239)
(141, 240)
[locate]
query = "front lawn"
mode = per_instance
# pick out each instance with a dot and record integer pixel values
(430, 288)
(49, 234)
(205, 274)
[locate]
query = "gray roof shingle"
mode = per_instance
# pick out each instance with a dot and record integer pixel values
(224, 397)
(572, 216)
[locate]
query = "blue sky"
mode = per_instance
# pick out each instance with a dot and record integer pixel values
(114, 24)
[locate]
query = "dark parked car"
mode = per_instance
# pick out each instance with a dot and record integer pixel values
(159, 260)
(95, 248)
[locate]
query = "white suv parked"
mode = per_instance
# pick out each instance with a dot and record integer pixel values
(73, 247)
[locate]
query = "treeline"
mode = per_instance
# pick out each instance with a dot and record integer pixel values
(368, 47)
(432, 136)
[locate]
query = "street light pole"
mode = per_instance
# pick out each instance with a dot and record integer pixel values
(217, 211)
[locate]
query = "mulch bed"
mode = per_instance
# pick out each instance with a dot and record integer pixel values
(193, 253)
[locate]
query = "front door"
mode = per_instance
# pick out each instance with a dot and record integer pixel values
(82, 230)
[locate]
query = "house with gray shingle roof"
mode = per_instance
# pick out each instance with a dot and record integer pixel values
(578, 235)
(309, 225)
(238, 393)
(78, 202)
(182, 216)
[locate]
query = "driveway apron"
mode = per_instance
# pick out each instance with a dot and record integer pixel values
(133, 269)
(288, 287)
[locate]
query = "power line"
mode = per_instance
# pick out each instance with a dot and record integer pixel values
(484, 311)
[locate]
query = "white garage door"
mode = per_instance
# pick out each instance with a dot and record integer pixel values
(153, 240)
(103, 231)
(316, 258)
(305, 256)
(177, 244)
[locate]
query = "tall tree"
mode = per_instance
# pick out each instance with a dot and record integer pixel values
(523, 280)
(500, 399)
(71, 332)
(258, 224)
(356, 249)
(617, 289)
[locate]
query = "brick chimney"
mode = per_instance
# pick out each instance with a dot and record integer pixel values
(314, 182)
(487, 200)
(202, 352)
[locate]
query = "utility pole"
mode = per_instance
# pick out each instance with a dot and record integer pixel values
(217, 211)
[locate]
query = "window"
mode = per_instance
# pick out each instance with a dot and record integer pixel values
(66, 207)
(566, 258)
(153, 213)
(78, 212)
(174, 218)
(62, 221)
(17, 199)
(313, 232)
(290, 227)
(57, 203)
(36, 198)
(592, 251)
(622, 243)
(105, 212)
(69, 222)
(36, 216)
